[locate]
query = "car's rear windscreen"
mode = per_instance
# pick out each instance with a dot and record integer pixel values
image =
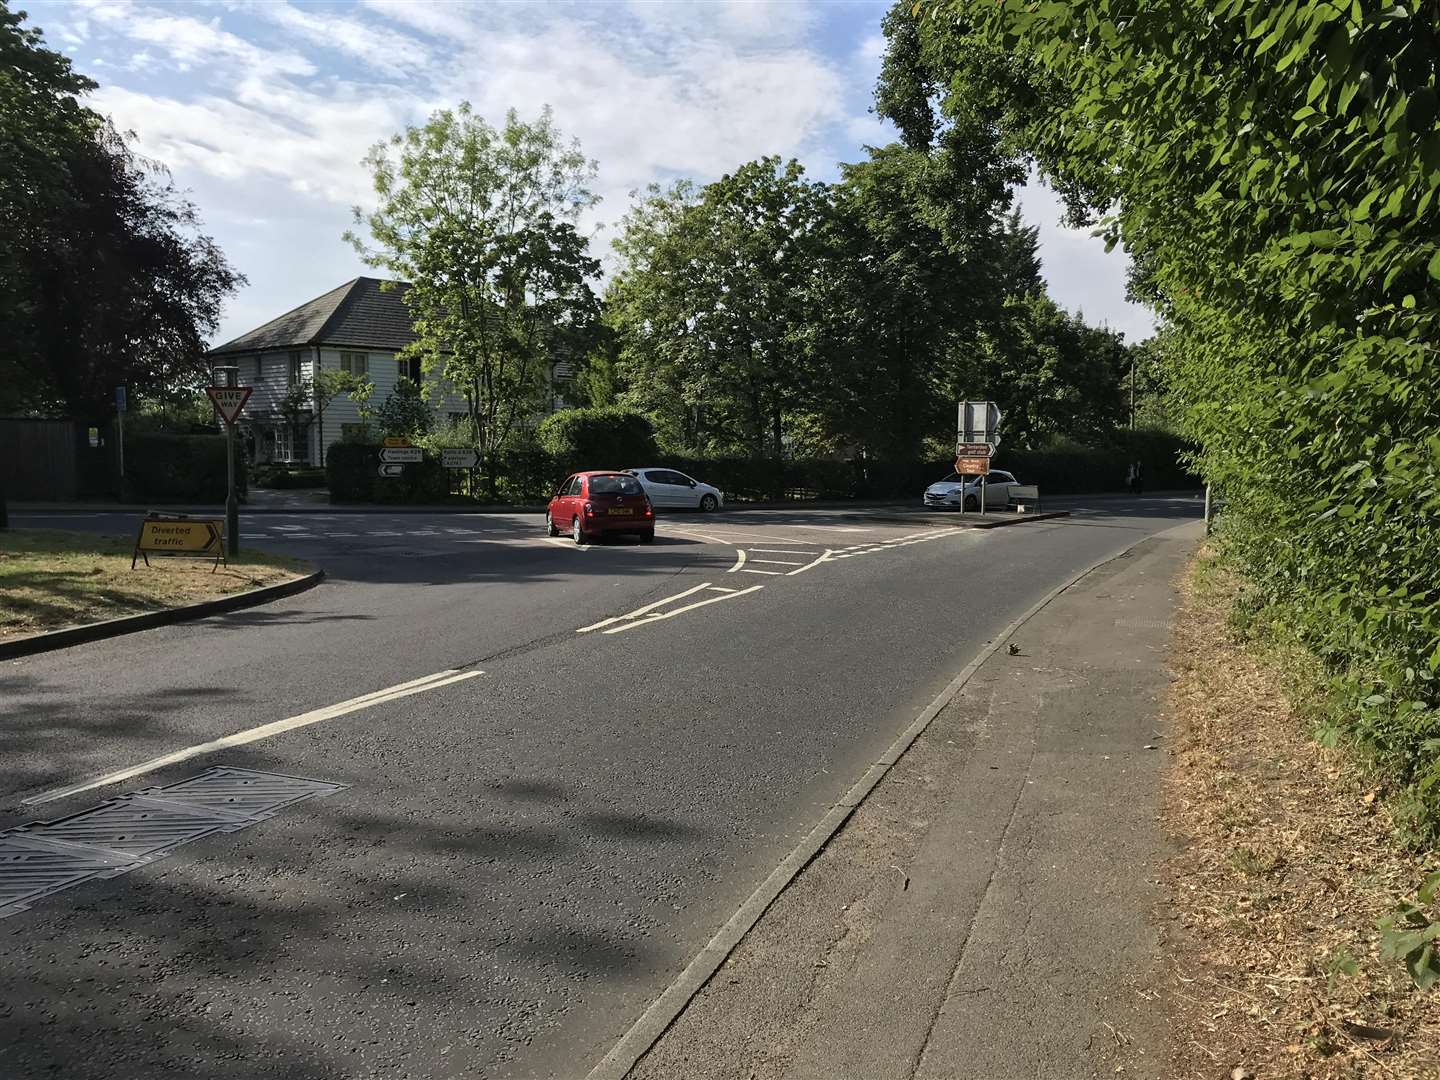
(615, 485)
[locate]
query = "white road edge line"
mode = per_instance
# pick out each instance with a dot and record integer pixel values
(739, 560)
(264, 731)
(642, 610)
(658, 616)
(646, 1031)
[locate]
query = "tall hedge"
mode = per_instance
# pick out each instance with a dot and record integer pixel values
(606, 437)
(1275, 170)
(180, 468)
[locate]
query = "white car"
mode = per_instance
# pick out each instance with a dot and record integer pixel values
(668, 488)
(956, 490)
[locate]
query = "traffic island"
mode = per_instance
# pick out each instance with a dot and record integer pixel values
(59, 588)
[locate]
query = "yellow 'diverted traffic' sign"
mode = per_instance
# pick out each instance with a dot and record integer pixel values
(179, 535)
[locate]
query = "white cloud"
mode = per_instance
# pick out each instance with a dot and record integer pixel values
(382, 48)
(191, 42)
(265, 110)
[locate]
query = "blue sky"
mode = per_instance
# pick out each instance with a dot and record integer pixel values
(263, 110)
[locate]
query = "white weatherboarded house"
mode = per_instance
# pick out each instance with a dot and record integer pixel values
(358, 327)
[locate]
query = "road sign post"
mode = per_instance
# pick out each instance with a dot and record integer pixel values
(977, 435)
(229, 400)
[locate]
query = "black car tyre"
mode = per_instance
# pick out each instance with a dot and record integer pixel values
(647, 537)
(550, 529)
(972, 503)
(576, 532)
(709, 504)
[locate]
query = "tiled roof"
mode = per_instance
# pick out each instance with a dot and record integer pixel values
(358, 313)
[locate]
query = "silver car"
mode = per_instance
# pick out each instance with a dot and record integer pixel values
(956, 491)
(668, 488)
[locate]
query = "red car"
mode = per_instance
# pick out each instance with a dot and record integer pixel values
(590, 504)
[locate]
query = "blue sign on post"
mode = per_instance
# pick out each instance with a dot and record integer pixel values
(119, 399)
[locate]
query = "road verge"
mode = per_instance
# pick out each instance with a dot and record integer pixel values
(129, 624)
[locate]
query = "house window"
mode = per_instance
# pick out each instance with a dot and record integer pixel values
(409, 369)
(295, 367)
(260, 369)
(356, 363)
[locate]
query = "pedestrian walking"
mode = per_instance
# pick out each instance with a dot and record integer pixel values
(1139, 486)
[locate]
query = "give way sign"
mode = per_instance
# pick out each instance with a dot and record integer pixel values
(229, 400)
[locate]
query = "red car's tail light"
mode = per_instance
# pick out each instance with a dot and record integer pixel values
(589, 509)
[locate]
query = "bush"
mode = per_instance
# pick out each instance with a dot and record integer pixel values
(351, 471)
(283, 477)
(180, 468)
(608, 437)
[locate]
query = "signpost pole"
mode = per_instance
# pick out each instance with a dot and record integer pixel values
(232, 504)
(1207, 509)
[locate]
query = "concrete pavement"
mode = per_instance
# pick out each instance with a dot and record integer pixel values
(518, 862)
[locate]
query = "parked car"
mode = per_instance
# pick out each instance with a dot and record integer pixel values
(592, 504)
(669, 488)
(956, 490)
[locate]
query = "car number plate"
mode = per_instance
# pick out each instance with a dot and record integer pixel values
(620, 510)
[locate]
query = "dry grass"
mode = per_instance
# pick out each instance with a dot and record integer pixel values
(1287, 861)
(50, 579)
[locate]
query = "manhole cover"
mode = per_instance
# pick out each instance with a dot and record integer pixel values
(43, 857)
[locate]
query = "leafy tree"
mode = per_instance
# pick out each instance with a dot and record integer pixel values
(712, 303)
(1274, 171)
(405, 412)
(104, 276)
(480, 221)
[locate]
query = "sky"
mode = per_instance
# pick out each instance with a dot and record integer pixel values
(263, 110)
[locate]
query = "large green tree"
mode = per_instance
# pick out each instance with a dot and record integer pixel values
(105, 277)
(1274, 170)
(713, 303)
(481, 221)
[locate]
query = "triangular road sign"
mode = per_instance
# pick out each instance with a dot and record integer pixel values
(229, 400)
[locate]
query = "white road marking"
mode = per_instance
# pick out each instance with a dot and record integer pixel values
(772, 573)
(264, 731)
(659, 616)
(777, 562)
(739, 560)
(811, 565)
(783, 551)
(638, 612)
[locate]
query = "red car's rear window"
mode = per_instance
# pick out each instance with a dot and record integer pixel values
(615, 485)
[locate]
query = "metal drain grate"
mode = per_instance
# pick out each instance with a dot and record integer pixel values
(44, 857)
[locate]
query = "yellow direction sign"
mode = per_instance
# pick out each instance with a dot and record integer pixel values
(396, 441)
(199, 538)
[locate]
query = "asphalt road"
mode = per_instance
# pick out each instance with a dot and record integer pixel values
(525, 852)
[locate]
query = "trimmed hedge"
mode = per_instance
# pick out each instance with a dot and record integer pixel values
(598, 438)
(180, 468)
(529, 477)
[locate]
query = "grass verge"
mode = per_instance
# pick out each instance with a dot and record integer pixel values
(51, 579)
(1287, 861)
